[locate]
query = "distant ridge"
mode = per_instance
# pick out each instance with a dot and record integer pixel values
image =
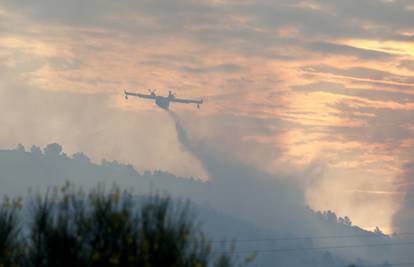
(216, 204)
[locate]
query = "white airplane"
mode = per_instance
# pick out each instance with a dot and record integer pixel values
(164, 101)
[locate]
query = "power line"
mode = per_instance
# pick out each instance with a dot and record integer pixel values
(322, 248)
(310, 237)
(379, 264)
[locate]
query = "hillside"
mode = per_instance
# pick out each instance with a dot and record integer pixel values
(227, 208)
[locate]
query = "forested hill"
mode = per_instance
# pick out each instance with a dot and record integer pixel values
(270, 214)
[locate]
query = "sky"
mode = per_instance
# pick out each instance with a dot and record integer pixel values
(321, 91)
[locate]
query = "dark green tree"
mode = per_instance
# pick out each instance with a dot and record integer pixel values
(10, 242)
(71, 228)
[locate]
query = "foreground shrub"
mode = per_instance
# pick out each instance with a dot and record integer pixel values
(71, 228)
(10, 245)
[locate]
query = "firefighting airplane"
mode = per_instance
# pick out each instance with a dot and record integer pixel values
(164, 101)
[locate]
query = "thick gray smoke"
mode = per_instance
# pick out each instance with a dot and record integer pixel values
(273, 202)
(404, 217)
(270, 201)
(274, 205)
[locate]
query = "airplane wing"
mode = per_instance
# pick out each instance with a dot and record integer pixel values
(186, 101)
(149, 96)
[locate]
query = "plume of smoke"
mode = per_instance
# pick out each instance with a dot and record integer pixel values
(243, 191)
(270, 201)
(404, 217)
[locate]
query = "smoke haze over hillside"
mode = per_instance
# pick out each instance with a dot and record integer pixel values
(277, 209)
(404, 217)
(244, 188)
(308, 106)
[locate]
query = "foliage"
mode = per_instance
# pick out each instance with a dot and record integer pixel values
(70, 228)
(10, 247)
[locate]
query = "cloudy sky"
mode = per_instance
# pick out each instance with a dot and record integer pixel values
(321, 91)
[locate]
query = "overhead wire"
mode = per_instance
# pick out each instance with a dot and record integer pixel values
(310, 238)
(321, 248)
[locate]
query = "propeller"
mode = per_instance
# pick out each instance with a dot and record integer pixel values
(125, 94)
(152, 92)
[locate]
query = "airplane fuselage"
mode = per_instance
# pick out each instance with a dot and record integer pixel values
(162, 102)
